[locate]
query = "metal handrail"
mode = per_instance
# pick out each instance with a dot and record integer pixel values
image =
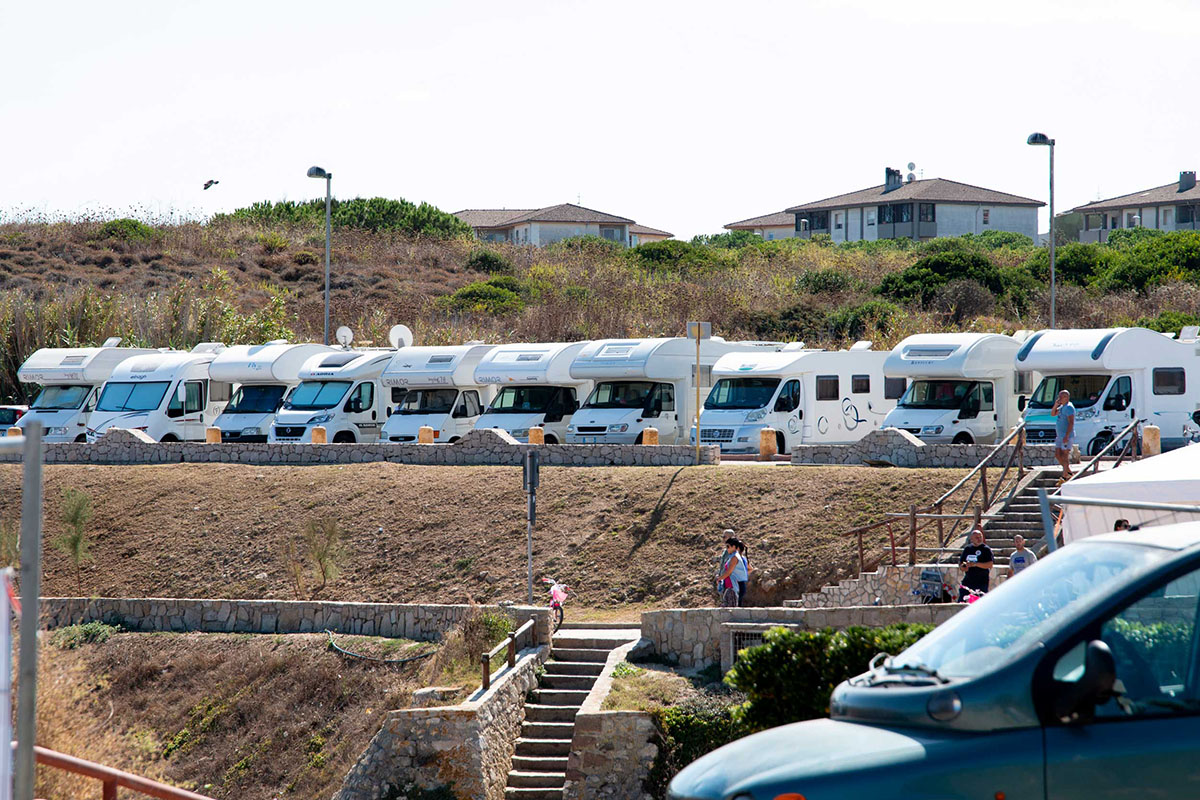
(1014, 432)
(509, 645)
(1094, 464)
(112, 778)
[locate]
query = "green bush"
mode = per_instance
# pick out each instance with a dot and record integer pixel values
(672, 255)
(1154, 260)
(304, 257)
(273, 242)
(818, 281)
(1017, 288)
(1123, 238)
(590, 245)
(914, 283)
(686, 732)
(127, 230)
(73, 636)
(994, 240)
(360, 213)
(728, 240)
(791, 675)
(794, 323)
(1168, 321)
(952, 264)
(853, 321)
(485, 298)
(1076, 263)
(879, 245)
(489, 261)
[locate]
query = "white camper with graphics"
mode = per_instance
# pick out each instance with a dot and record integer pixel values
(71, 379)
(339, 391)
(262, 375)
(435, 387)
(168, 395)
(646, 383)
(806, 396)
(963, 388)
(1114, 375)
(534, 389)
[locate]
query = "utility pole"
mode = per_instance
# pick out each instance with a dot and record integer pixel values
(530, 479)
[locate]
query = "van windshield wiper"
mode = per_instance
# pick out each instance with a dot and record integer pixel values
(884, 669)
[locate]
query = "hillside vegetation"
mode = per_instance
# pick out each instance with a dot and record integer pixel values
(257, 273)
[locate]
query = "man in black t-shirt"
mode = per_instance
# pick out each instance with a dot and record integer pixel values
(977, 561)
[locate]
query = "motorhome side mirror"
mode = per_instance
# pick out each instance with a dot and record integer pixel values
(460, 412)
(781, 404)
(389, 411)
(969, 411)
(356, 406)
(1196, 417)
(1022, 401)
(1077, 701)
(174, 411)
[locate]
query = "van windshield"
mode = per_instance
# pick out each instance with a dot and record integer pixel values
(745, 393)
(1025, 609)
(256, 399)
(620, 394)
(57, 398)
(1085, 390)
(132, 396)
(315, 395)
(429, 401)
(523, 400)
(936, 394)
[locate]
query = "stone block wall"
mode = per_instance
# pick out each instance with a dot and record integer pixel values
(887, 586)
(467, 747)
(478, 448)
(902, 449)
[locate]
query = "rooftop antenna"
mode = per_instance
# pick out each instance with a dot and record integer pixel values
(578, 199)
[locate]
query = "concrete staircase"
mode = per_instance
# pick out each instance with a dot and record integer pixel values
(539, 764)
(1021, 516)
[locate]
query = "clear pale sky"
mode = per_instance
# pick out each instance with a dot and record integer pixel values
(680, 115)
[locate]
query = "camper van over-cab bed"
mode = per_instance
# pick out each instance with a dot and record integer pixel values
(534, 388)
(435, 387)
(262, 375)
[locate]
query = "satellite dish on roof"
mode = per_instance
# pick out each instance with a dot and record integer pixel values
(400, 336)
(344, 336)
(910, 177)
(911, 166)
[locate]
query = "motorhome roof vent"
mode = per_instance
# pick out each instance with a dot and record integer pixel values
(615, 351)
(208, 347)
(440, 359)
(790, 346)
(861, 345)
(71, 361)
(339, 359)
(1190, 333)
(529, 357)
(929, 352)
(112, 341)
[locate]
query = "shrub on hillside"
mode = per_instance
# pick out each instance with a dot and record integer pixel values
(687, 731)
(1076, 263)
(672, 255)
(590, 245)
(483, 297)
(963, 300)
(961, 264)
(1154, 260)
(1019, 286)
(994, 240)
(127, 230)
(915, 283)
(273, 242)
(1123, 238)
(489, 261)
(798, 322)
(879, 245)
(820, 281)
(361, 213)
(790, 676)
(728, 240)
(1169, 321)
(854, 321)
(305, 257)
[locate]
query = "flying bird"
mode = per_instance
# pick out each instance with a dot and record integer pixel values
(209, 183)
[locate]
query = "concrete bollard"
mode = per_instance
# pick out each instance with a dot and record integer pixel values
(650, 436)
(318, 435)
(212, 435)
(537, 435)
(768, 446)
(1151, 440)
(14, 431)
(424, 435)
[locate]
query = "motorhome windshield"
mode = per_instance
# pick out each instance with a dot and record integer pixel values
(1022, 611)
(58, 398)
(132, 396)
(744, 393)
(315, 395)
(523, 400)
(1085, 390)
(429, 401)
(936, 394)
(620, 394)
(256, 399)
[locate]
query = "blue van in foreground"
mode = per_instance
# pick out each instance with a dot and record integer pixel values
(1078, 678)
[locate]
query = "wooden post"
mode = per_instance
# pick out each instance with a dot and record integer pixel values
(512, 649)
(1021, 455)
(978, 518)
(110, 790)
(862, 561)
(983, 484)
(941, 532)
(485, 662)
(892, 537)
(912, 535)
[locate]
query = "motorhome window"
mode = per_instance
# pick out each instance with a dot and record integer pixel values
(218, 391)
(741, 393)
(523, 400)
(789, 397)
(474, 407)
(1085, 390)
(364, 393)
(315, 395)
(706, 378)
(893, 388)
(943, 394)
(989, 402)
(1022, 382)
(620, 394)
(827, 387)
(55, 398)
(193, 400)
(339, 359)
(1169, 380)
(398, 393)
(429, 401)
(664, 397)
(860, 384)
(132, 396)
(1120, 397)
(256, 399)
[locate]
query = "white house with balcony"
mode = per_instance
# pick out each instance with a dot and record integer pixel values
(542, 226)
(1172, 207)
(780, 225)
(915, 209)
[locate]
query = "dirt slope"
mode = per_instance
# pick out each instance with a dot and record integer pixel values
(622, 537)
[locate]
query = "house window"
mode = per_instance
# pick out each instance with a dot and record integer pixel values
(1115, 223)
(837, 221)
(610, 233)
(870, 218)
(1169, 380)
(987, 216)
(927, 213)
(1166, 218)
(902, 212)
(885, 215)
(1131, 219)
(860, 384)
(1185, 215)
(893, 388)
(827, 387)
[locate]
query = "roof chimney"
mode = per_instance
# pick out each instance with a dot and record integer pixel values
(1187, 180)
(892, 179)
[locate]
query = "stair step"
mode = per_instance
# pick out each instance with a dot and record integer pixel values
(543, 747)
(548, 730)
(533, 794)
(530, 779)
(581, 654)
(560, 697)
(553, 681)
(575, 667)
(535, 712)
(608, 626)
(590, 642)
(539, 763)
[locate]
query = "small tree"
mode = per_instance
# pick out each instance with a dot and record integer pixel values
(76, 513)
(320, 551)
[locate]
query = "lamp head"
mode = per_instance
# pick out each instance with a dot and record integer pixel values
(1039, 138)
(317, 172)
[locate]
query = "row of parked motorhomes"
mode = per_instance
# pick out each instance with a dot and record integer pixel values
(942, 387)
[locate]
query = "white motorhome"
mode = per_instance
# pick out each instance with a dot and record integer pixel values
(644, 383)
(263, 374)
(807, 396)
(535, 388)
(963, 387)
(1114, 375)
(437, 388)
(166, 394)
(339, 391)
(71, 378)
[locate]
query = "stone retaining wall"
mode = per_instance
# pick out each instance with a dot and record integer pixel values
(466, 747)
(901, 449)
(888, 586)
(395, 620)
(478, 448)
(693, 636)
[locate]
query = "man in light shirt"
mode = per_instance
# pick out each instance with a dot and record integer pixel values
(1022, 558)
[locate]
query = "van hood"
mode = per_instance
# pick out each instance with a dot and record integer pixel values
(732, 416)
(238, 422)
(606, 416)
(919, 417)
(509, 422)
(408, 424)
(297, 417)
(101, 421)
(50, 418)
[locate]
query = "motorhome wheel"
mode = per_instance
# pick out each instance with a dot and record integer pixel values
(780, 443)
(963, 438)
(343, 437)
(170, 437)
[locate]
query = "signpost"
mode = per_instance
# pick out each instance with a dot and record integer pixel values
(698, 331)
(530, 480)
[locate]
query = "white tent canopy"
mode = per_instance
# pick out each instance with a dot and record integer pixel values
(1172, 478)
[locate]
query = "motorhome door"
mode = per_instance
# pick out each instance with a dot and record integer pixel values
(360, 405)
(186, 409)
(787, 407)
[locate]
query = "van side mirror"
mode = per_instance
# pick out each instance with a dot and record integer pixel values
(969, 411)
(1196, 417)
(356, 406)
(174, 411)
(181, 392)
(460, 413)
(781, 404)
(1022, 401)
(1077, 701)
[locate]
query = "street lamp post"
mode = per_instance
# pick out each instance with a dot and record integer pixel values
(317, 172)
(1043, 139)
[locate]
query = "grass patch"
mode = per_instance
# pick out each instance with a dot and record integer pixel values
(645, 688)
(73, 636)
